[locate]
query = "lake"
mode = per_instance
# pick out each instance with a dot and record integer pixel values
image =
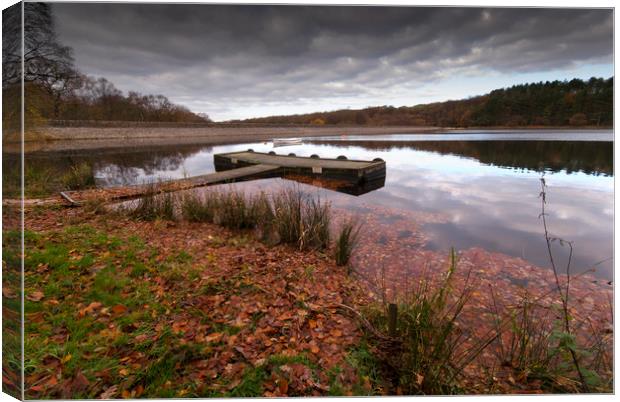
(463, 189)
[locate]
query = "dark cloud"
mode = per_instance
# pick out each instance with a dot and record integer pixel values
(223, 57)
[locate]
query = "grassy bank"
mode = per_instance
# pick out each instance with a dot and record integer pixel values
(112, 314)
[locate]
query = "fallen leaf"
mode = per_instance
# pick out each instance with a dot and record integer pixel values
(52, 381)
(89, 309)
(214, 337)
(35, 296)
(138, 391)
(119, 309)
(79, 383)
(109, 393)
(336, 332)
(8, 293)
(141, 338)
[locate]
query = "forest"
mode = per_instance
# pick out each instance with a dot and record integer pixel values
(557, 103)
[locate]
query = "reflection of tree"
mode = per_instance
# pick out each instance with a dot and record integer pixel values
(121, 165)
(573, 156)
(150, 159)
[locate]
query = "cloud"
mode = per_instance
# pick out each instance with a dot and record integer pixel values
(246, 56)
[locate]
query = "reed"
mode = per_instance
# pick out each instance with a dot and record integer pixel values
(346, 242)
(79, 177)
(153, 206)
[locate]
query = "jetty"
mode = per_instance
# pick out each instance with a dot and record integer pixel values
(340, 168)
(354, 177)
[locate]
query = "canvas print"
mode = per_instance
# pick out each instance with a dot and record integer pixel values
(233, 200)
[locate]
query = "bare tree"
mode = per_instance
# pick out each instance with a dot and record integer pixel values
(46, 61)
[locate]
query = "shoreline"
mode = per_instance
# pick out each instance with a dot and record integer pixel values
(92, 137)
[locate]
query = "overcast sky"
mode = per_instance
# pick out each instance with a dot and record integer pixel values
(246, 61)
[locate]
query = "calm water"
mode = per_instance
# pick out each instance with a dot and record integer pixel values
(483, 186)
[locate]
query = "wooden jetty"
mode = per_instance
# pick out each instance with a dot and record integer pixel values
(341, 168)
(349, 176)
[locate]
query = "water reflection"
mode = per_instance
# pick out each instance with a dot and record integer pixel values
(570, 156)
(501, 213)
(466, 194)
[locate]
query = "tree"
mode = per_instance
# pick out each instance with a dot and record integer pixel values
(49, 74)
(11, 45)
(46, 61)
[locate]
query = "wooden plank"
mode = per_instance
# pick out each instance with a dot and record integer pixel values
(140, 190)
(69, 199)
(243, 173)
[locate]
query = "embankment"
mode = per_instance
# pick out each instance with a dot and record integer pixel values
(97, 137)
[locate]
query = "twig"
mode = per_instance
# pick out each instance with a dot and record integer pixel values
(367, 324)
(563, 297)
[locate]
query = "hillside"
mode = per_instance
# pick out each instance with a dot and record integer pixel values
(557, 103)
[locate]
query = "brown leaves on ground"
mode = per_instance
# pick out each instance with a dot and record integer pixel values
(216, 316)
(236, 303)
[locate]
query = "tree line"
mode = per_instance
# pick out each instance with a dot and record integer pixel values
(552, 103)
(55, 89)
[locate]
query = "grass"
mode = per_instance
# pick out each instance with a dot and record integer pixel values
(236, 211)
(79, 266)
(195, 208)
(301, 220)
(289, 216)
(428, 327)
(428, 361)
(153, 206)
(533, 343)
(11, 313)
(79, 176)
(345, 242)
(316, 217)
(42, 181)
(429, 357)
(529, 340)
